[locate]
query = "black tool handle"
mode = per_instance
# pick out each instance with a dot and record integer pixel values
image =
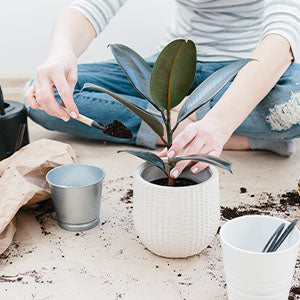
(274, 238)
(285, 234)
(2, 108)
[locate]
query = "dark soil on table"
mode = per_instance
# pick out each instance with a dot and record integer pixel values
(243, 190)
(117, 129)
(43, 212)
(177, 182)
(127, 197)
(280, 204)
(284, 205)
(42, 219)
(295, 292)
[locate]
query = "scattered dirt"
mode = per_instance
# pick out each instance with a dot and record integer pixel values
(243, 190)
(282, 204)
(6, 278)
(290, 198)
(10, 253)
(229, 213)
(24, 277)
(117, 129)
(265, 203)
(43, 212)
(42, 218)
(294, 293)
(127, 197)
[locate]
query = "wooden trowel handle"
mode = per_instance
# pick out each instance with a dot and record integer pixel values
(85, 120)
(80, 118)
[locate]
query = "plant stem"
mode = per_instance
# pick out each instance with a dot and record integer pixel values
(169, 131)
(170, 140)
(162, 112)
(171, 181)
(175, 127)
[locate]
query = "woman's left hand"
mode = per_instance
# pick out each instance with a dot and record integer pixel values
(207, 136)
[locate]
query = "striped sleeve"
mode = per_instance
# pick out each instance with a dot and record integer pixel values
(283, 17)
(98, 12)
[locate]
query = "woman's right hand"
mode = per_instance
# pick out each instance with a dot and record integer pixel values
(60, 71)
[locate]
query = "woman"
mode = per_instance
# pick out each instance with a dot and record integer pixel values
(260, 109)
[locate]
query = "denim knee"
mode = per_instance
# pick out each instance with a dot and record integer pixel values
(284, 116)
(277, 116)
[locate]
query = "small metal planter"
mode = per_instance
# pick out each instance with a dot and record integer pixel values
(76, 193)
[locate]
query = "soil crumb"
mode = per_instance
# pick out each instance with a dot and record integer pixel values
(127, 197)
(117, 129)
(243, 190)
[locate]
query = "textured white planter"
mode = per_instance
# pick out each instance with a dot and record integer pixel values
(176, 221)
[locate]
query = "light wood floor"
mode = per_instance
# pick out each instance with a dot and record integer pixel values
(13, 88)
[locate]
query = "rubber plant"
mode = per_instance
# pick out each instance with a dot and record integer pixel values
(165, 86)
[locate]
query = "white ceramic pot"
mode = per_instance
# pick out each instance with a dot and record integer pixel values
(176, 221)
(250, 273)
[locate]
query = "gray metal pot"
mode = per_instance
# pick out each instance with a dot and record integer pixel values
(76, 193)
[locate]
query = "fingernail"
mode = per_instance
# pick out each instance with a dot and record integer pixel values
(195, 170)
(171, 154)
(175, 173)
(73, 115)
(65, 119)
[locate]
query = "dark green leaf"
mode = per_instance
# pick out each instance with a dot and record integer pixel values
(149, 157)
(209, 88)
(135, 68)
(152, 121)
(173, 73)
(213, 160)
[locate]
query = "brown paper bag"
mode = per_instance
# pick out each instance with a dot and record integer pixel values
(23, 180)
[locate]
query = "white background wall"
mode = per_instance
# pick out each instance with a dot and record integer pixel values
(25, 30)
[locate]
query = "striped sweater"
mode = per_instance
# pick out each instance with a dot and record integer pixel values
(221, 29)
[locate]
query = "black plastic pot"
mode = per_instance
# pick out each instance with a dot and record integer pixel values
(12, 115)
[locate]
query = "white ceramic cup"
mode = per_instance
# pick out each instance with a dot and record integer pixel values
(251, 274)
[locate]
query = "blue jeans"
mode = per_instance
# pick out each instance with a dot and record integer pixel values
(276, 117)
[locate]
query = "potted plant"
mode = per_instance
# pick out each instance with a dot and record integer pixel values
(172, 218)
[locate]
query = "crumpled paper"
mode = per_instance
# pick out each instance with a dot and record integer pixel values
(23, 180)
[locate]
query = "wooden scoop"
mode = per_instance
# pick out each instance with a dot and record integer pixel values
(115, 129)
(90, 122)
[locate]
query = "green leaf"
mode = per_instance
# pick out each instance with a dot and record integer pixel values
(149, 157)
(209, 159)
(209, 88)
(173, 73)
(135, 68)
(152, 121)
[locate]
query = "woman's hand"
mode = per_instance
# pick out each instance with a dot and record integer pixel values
(207, 136)
(71, 35)
(60, 71)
